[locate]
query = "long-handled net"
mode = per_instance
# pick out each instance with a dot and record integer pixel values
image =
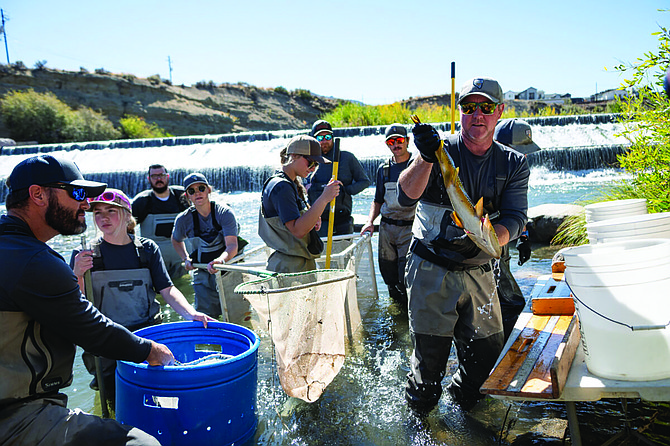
(309, 315)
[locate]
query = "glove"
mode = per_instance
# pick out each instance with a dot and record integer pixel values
(523, 246)
(427, 140)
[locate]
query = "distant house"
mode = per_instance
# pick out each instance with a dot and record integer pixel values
(531, 94)
(509, 96)
(609, 95)
(555, 98)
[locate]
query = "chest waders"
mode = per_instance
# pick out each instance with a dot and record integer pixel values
(290, 254)
(125, 296)
(158, 227)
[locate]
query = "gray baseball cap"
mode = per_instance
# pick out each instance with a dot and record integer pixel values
(517, 134)
(306, 146)
(484, 86)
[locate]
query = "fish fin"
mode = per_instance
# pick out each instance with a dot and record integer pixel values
(479, 208)
(456, 219)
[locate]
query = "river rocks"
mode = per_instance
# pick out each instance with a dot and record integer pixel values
(544, 220)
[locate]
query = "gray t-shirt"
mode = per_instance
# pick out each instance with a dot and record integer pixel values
(183, 225)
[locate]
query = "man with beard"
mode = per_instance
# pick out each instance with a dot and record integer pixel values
(43, 314)
(155, 210)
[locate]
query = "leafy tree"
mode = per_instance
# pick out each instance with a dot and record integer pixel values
(86, 124)
(647, 127)
(646, 119)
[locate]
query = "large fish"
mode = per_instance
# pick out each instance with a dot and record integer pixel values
(470, 218)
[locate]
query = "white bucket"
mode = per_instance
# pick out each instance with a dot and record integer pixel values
(614, 209)
(623, 312)
(630, 227)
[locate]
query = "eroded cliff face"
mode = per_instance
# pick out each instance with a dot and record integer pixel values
(180, 110)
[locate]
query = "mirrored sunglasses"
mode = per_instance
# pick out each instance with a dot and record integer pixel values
(487, 108)
(393, 141)
(327, 137)
(201, 188)
(77, 193)
(110, 197)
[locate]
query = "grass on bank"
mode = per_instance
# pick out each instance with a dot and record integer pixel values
(350, 114)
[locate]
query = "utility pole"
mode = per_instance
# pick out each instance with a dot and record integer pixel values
(170, 66)
(4, 33)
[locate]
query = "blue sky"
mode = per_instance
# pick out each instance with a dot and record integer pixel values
(372, 51)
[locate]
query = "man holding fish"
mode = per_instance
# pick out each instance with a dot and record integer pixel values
(450, 274)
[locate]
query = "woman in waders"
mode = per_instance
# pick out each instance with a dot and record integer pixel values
(285, 223)
(126, 272)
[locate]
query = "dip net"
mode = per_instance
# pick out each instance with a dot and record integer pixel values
(308, 315)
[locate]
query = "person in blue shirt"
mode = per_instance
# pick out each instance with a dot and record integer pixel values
(350, 174)
(286, 224)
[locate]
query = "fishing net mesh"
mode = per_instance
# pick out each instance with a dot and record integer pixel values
(308, 316)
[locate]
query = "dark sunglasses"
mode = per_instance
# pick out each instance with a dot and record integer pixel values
(397, 140)
(326, 137)
(487, 108)
(77, 193)
(311, 164)
(201, 188)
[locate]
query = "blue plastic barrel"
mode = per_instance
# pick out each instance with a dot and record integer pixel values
(206, 403)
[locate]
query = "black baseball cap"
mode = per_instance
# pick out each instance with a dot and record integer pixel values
(320, 126)
(395, 130)
(47, 169)
(195, 177)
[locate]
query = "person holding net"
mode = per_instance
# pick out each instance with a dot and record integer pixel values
(286, 224)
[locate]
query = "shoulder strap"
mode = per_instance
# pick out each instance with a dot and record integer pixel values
(98, 263)
(141, 252)
(501, 174)
(386, 170)
(196, 220)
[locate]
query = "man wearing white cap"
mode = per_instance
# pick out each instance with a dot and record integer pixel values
(451, 286)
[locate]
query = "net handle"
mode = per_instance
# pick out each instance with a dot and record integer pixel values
(350, 275)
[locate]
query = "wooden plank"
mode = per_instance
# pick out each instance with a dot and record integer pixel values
(503, 374)
(539, 382)
(552, 297)
(564, 357)
(549, 373)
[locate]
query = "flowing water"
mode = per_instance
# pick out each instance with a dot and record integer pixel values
(365, 405)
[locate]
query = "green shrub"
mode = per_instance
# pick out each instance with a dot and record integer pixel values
(40, 64)
(32, 116)
(134, 127)
(352, 114)
(302, 93)
(86, 124)
(19, 66)
(281, 90)
(154, 79)
(42, 117)
(101, 71)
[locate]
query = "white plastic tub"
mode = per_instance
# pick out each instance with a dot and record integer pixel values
(623, 312)
(607, 210)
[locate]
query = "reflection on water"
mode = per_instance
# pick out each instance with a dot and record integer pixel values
(365, 404)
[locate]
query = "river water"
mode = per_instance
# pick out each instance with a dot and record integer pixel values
(364, 405)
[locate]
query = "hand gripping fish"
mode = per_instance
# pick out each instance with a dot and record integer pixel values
(470, 218)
